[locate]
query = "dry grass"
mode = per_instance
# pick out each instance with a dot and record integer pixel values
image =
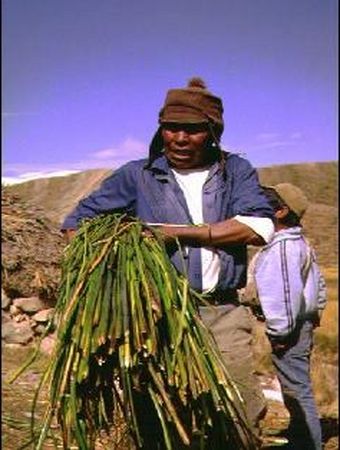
(17, 404)
(326, 336)
(325, 355)
(319, 180)
(59, 195)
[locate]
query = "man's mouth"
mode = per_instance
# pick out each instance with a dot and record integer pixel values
(182, 153)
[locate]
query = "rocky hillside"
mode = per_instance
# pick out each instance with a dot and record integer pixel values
(31, 249)
(58, 195)
(318, 180)
(320, 183)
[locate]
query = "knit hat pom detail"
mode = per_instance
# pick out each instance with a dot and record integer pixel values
(196, 82)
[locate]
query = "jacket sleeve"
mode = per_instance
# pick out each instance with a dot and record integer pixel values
(321, 287)
(247, 196)
(280, 287)
(116, 193)
(315, 293)
(322, 294)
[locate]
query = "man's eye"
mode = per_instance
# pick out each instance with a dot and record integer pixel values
(188, 128)
(197, 128)
(172, 128)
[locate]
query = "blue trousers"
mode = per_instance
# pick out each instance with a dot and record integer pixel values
(293, 370)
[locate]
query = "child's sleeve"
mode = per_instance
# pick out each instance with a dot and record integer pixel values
(322, 294)
(322, 290)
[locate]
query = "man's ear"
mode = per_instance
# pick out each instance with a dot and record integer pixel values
(282, 212)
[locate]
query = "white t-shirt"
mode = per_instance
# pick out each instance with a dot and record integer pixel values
(191, 182)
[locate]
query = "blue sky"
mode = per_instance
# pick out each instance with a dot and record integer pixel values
(83, 80)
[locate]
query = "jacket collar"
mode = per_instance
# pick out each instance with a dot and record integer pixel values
(160, 166)
(287, 233)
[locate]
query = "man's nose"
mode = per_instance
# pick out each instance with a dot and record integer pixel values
(181, 136)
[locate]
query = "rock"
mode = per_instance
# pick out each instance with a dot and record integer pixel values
(29, 305)
(20, 318)
(47, 344)
(5, 317)
(332, 443)
(32, 249)
(14, 310)
(39, 329)
(17, 333)
(5, 300)
(43, 315)
(271, 388)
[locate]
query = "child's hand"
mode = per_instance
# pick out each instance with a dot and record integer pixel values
(279, 347)
(281, 344)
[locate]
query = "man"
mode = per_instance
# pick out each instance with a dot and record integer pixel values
(292, 294)
(188, 180)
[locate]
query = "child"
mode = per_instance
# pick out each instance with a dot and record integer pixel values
(292, 294)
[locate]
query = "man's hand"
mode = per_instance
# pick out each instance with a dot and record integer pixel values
(317, 318)
(69, 235)
(196, 236)
(169, 234)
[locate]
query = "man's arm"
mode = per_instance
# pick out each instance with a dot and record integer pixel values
(252, 215)
(219, 234)
(116, 193)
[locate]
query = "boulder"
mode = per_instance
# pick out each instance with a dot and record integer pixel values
(29, 305)
(5, 300)
(5, 317)
(14, 310)
(21, 318)
(39, 329)
(43, 316)
(48, 343)
(31, 247)
(17, 333)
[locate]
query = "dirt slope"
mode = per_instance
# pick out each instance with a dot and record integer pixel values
(59, 195)
(31, 250)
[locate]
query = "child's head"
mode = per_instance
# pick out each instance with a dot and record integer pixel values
(289, 203)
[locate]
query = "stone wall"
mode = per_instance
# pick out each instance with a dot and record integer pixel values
(25, 320)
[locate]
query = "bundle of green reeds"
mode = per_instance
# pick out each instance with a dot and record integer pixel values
(130, 338)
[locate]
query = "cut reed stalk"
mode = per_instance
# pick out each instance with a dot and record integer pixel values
(126, 316)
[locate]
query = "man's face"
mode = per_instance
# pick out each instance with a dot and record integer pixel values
(186, 145)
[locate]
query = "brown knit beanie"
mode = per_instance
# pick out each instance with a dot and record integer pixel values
(193, 104)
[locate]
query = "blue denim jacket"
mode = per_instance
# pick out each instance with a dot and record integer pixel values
(153, 195)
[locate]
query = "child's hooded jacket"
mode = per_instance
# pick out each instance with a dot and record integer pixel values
(289, 283)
